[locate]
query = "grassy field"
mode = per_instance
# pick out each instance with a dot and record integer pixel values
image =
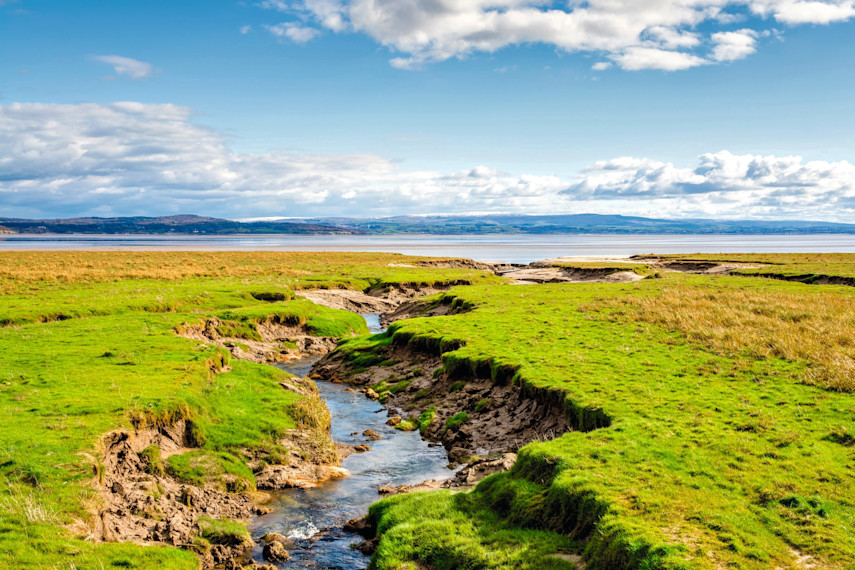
(89, 345)
(714, 415)
(715, 424)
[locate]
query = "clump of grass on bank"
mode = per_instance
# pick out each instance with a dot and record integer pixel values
(89, 345)
(708, 458)
(447, 531)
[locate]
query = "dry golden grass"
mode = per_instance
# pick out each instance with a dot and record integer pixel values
(818, 329)
(91, 266)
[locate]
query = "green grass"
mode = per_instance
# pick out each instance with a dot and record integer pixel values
(89, 345)
(450, 531)
(223, 531)
(684, 457)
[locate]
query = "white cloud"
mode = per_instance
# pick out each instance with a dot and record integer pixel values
(796, 12)
(660, 34)
(138, 159)
(294, 32)
(132, 68)
(726, 184)
(245, 29)
(636, 58)
(130, 158)
(730, 46)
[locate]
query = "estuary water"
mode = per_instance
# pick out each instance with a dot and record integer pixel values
(510, 248)
(312, 518)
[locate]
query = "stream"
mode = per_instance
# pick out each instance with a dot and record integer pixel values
(313, 518)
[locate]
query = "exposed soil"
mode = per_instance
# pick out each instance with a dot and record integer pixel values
(145, 507)
(500, 418)
(698, 266)
(280, 342)
(549, 274)
(347, 299)
(466, 478)
(385, 297)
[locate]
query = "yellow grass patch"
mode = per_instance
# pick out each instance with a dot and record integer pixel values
(818, 329)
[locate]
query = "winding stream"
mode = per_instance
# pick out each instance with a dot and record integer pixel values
(313, 518)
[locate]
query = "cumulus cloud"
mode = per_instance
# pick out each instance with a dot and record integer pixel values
(133, 158)
(730, 46)
(636, 35)
(140, 159)
(132, 68)
(723, 183)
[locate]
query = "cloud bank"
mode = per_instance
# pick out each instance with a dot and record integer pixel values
(632, 34)
(140, 159)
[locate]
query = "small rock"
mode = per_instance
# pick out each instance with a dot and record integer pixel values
(394, 420)
(361, 526)
(372, 435)
(361, 448)
(369, 546)
(262, 511)
(386, 490)
(274, 537)
(275, 552)
(371, 394)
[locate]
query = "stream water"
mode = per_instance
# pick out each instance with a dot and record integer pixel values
(313, 518)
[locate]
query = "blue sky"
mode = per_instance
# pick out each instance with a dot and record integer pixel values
(347, 107)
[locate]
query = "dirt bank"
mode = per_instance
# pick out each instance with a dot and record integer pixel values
(280, 342)
(381, 298)
(539, 273)
(469, 416)
(144, 502)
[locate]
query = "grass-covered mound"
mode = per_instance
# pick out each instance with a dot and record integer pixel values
(89, 345)
(728, 440)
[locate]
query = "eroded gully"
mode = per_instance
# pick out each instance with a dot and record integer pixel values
(312, 519)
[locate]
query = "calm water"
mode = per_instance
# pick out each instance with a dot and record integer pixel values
(508, 248)
(398, 458)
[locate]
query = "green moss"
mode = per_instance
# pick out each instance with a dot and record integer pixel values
(153, 463)
(223, 531)
(408, 424)
(456, 420)
(426, 419)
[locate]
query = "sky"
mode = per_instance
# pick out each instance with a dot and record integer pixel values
(367, 108)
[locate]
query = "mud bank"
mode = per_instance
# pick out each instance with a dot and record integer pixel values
(381, 298)
(145, 505)
(279, 341)
(471, 416)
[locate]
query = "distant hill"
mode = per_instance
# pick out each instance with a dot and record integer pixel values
(577, 224)
(182, 224)
(441, 225)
